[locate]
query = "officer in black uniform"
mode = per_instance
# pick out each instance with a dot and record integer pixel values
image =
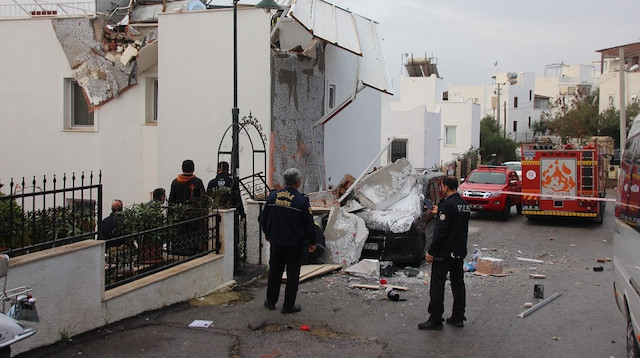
(287, 222)
(446, 255)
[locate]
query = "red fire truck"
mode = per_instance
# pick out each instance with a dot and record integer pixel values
(563, 180)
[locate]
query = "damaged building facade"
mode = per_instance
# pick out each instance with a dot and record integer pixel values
(133, 99)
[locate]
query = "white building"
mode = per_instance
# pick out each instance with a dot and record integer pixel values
(513, 104)
(428, 130)
(163, 91)
(609, 83)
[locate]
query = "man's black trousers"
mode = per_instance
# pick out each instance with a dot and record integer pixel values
(281, 256)
(439, 269)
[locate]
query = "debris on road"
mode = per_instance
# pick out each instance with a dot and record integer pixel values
(542, 303)
(598, 268)
(524, 259)
(537, 276)
(310, 271)
(489, 266)
(366, 267)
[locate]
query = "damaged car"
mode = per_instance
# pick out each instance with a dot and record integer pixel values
(381, 215)
(403, 232)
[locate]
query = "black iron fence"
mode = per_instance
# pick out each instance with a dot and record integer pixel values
(41, 215)
(139, 254)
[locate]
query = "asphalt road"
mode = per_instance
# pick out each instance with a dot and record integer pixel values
(346, 322)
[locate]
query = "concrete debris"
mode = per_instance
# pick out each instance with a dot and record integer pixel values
(103, 57)
(366, 267)
(128, 54)
(345, 236)
(389, 199)
(382, 188)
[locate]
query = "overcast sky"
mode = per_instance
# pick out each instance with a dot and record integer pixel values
(468, 36)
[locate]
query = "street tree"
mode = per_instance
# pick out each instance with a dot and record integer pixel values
(494, 148)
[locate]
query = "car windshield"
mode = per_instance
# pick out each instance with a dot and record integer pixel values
(487, 178)
(514, 165)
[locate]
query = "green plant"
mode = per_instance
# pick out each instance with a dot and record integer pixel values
(221, 199)
(64, 335)
(11, 218)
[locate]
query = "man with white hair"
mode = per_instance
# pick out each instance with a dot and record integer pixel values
(287, 223)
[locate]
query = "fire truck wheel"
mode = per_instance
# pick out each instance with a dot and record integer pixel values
(600, 217)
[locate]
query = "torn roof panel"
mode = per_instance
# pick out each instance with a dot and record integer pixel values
(327, 22)
(373, 68)
(350, 32)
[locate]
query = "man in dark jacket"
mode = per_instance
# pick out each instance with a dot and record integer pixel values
(446, 255)
(186, 187)
(287, 222)
(113, 222)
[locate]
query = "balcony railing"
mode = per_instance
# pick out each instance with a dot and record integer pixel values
(34, 8)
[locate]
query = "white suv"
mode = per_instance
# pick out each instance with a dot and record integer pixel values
(626, 244)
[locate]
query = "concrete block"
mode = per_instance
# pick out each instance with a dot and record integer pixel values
(384, 187)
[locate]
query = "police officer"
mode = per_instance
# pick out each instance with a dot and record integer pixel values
(287, 222)
(446, 255)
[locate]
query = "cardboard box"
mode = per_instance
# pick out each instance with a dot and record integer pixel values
(489, 266)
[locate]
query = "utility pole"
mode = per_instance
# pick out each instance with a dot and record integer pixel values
(623, 102)
(498, 105)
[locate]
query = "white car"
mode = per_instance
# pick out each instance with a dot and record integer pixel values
(515, 165)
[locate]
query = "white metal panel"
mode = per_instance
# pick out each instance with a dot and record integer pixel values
(349, 31)
(372, 66)
(302, 11)
(327, 22)
(346, 32)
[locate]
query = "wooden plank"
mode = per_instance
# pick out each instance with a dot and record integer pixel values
(361, 285)
(400, 288)
(309, 271)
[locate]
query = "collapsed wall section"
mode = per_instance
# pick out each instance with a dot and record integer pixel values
(103, 59)
(298, 84)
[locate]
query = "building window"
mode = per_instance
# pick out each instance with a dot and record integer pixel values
(449, 135)
(330, 97)
(515, 126)
(398, 149)
(529, 123)
(77, 112)
(530, 95)
(515, 102)
(151, 95)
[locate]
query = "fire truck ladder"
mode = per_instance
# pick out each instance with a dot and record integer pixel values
(588, 172)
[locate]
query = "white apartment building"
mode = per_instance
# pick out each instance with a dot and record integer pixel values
(427, 129)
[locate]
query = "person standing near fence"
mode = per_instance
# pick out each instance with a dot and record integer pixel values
(186, 187)
(110, 224)
(287, 222)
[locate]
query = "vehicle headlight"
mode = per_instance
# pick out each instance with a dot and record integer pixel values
(494, 194)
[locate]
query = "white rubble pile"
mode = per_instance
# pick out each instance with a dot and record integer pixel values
(390, 198)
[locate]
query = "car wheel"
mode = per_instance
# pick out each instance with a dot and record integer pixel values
(5, 352)
(504, 214)
(632, 344)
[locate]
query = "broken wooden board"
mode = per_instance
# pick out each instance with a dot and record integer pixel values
(493, 274)
(377, 287)
(537, 275)
(309, 271)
